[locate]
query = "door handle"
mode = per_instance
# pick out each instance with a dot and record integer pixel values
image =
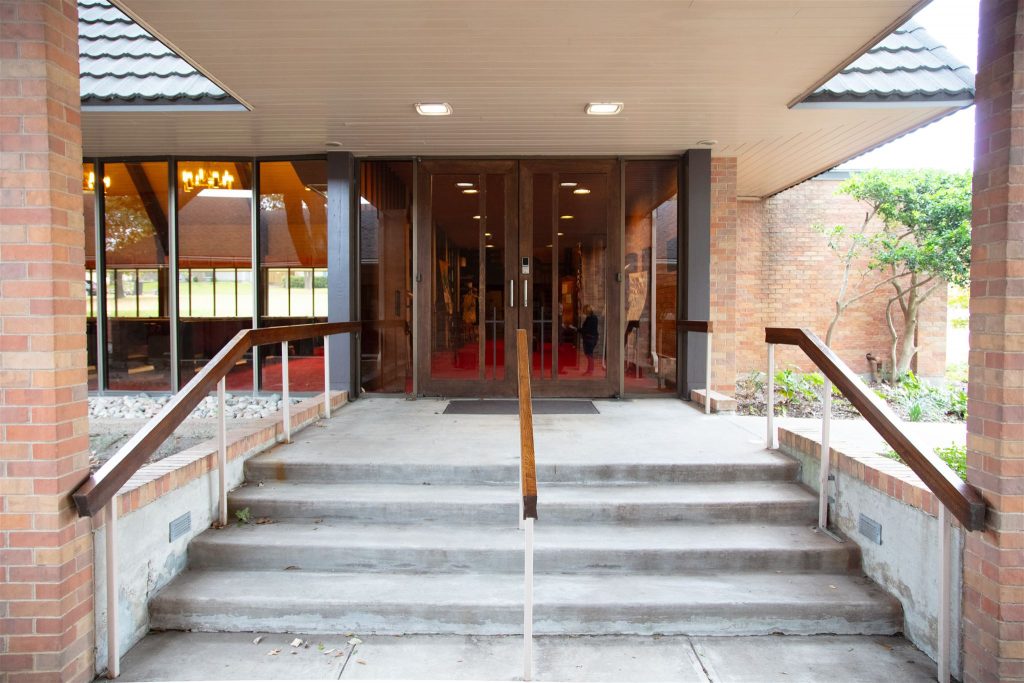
(512, 293)
(526, 289)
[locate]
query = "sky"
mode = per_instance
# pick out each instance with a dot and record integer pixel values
(948, 143)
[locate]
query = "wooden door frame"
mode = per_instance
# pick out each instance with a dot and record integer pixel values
(425, 272)
(611, 386)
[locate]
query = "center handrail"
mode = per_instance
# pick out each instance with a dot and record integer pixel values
(528, 491)
(958, 496)
(101, 486)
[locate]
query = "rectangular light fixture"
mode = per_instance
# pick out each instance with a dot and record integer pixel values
(219, 192)
(604, 108)
(433, 109)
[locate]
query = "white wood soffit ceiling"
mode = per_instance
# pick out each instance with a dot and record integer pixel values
(518, 74)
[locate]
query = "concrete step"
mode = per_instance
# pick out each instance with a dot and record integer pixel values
(348, 547)
(765, 502)
(491, 604)
(297, 464)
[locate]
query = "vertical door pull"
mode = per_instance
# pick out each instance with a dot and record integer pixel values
(511, 293)
(526, 296)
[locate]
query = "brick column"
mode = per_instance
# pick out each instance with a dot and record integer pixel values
(46, 581)
(993, 613)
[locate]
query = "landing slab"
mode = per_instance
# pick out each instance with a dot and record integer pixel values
(176, 656)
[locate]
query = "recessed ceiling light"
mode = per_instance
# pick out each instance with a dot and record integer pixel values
(334, 144)
(568, 184)
(433, 108)
(561, 234)
(470, 190)
(567, 217)
(604, 108)
(476, 218)
(487, 234)
(490, 246)
(707, 143)
(463, 184)
(549, 246)
(581, 190)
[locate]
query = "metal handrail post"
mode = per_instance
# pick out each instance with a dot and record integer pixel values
(945, 594)
(285, 402)
(113, 650)
(327, 376)
(826, 447)
(528, 601)
(222, 453)
(770, 398)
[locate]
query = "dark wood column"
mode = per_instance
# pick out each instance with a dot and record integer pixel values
(694, 294)
(343, 268)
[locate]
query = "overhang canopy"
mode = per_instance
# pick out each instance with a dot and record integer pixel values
(518, 75)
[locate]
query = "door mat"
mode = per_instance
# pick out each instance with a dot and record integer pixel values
(511, 407)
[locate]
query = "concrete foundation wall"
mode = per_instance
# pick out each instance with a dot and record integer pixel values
(906, 564)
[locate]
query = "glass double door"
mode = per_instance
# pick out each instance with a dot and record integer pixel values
(506, 245)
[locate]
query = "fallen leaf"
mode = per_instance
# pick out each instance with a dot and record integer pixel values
(297, 642)
(274, 652)
(295, 652)
(354, 641)
(318, 521)
(360, 661)
(832, 587)
(256, 640)
(329, 651)
(290, 567)
(264, 520)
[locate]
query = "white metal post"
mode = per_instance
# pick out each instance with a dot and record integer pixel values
(222, 454)
(826, 447)
(707, 381)
(528, 603)
(285, 402)
(770, 408)
(113, 651)
(945, 595)
(327, 376)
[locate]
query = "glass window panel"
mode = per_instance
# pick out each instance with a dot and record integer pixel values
(651, 201)
(89, 209)
(543, 296)
(214, 239)
(292, 244)
(493, 303)
(136, 247)
(385, 263)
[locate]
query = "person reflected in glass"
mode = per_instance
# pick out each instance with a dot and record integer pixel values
(589, 331)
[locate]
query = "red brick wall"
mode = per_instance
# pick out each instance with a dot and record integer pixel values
(993, 608)
(46, 581)
(724, 292)
(788, 277)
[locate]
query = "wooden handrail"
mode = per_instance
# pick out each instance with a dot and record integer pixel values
(960, 497)
(527, 462)
(102, 485)
(695, 326)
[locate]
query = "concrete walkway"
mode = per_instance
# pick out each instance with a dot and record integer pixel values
(766, 659)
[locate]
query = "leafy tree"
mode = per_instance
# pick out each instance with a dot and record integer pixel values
(925, 241)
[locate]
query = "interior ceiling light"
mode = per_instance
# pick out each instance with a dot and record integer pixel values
(581, 190)
(210, 180)
(487, 234)
(221, 192)
(604, 108)
(568, 184)
(476, 218)
(463, 184)
(567, 217)
(561, 234)
(433, 109)
(707, 143)
(89, 182)
(470, 190)
(334, 144)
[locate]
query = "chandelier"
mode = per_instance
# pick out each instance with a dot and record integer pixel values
(201, 179)
(89, 182)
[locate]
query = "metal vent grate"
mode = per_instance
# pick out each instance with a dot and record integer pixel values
(870, 529)
(179, 527)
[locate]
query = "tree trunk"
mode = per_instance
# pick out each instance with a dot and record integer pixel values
(910, 323)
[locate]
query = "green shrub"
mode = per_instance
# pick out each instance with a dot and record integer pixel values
(953, 455)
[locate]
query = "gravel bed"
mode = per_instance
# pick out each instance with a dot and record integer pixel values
(240, 407)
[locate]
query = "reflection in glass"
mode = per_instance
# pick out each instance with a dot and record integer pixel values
(136, 245)
(89, 202)
(293, 266)
(385, 272)
(215, 263)
(458, 204)
(651, 249)
(493, 302)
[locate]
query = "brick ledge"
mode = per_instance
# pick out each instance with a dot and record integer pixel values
(175, 471)
(890, 477)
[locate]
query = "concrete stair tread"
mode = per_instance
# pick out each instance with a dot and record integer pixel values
(491, 603)
(337, 536)
(715, 493)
